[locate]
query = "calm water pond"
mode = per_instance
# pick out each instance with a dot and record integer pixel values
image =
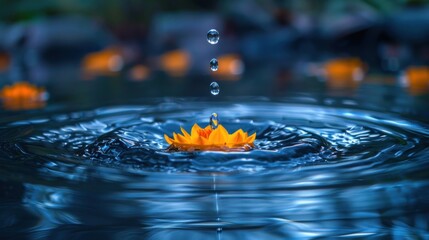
(321, 169)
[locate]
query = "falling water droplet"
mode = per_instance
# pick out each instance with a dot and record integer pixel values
(214, 65)
(213, 36)
(214, 88)
(219, 230)
(214, 121)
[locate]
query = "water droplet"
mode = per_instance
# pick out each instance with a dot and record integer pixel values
(219, 230)
(213, 36)
(214, 121)
(214, 65)
(214, 88)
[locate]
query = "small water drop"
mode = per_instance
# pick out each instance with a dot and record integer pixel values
(214, 121)
(219, 230)
(214, 88)
(214, 65)
(213, 36)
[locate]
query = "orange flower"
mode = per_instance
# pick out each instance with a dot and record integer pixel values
(206, 139)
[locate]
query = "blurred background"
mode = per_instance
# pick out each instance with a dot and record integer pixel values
(98, 52)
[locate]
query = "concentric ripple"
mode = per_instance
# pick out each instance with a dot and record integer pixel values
(315, 172)
(288, 137)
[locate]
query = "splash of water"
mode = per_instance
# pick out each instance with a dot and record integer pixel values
(214, 121)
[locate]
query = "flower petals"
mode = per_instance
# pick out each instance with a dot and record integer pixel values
(194, 132)
(185, 133)
(223, 132)
(206, 138)
(233, 138)
(168, 139)
(181, 138)
(251, 138)
(195, 129)
(239, 136)
(216, 137)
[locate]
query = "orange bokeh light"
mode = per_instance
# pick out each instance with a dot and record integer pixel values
(139, 73)
(23, 96)
(106, 62)
(4, 61)
(417, 79)
(231, 67)
(176, 63)
(344, 72)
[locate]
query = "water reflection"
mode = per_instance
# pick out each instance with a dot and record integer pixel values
(172, 205)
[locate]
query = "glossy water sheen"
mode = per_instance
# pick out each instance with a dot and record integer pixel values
(317, 172)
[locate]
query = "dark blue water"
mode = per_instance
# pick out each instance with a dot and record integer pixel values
(318, 171)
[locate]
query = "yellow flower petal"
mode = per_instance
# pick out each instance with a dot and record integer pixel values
(251, 138)
(238, 136)
(194, 130)
(185, 133)
(168, 139)
(223, 132)
(198, 141)
(181, 138)
(217, 137)
(232, 138)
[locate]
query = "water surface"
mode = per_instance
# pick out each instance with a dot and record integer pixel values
(319, 170)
